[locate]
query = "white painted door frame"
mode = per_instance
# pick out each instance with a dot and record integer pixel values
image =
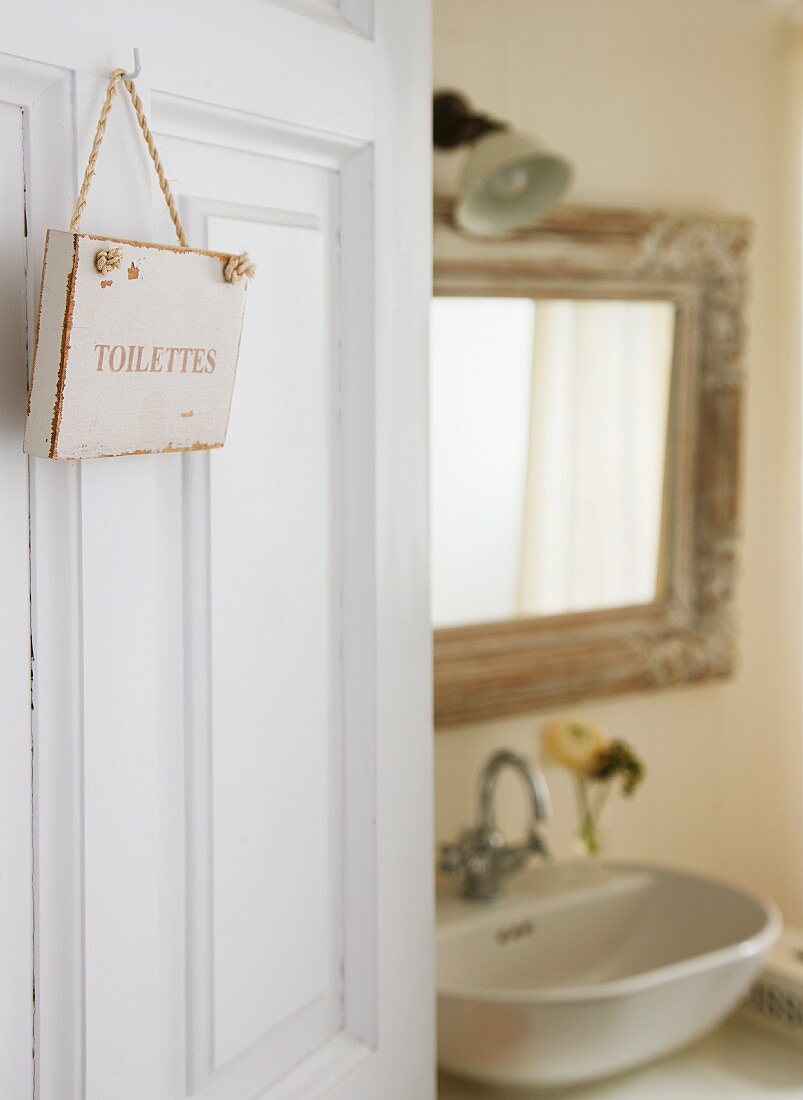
(16, 835)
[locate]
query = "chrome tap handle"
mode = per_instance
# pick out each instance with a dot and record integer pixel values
(452, 859)
(480, 857)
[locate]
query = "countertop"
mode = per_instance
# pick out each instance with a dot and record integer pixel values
(740, 1060)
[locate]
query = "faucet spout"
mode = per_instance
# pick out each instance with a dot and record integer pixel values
(537, 789)
(481, 858)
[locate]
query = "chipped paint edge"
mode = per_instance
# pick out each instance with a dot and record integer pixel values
(161, 247)
(38, 323)
(65, 349)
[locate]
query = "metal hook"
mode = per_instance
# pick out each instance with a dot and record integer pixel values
(137, 67)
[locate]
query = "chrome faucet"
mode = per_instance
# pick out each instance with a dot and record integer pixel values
(481, 858)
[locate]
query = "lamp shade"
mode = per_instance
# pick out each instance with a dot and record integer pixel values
(508, 182)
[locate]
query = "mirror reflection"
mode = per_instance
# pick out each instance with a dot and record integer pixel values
(549, 439)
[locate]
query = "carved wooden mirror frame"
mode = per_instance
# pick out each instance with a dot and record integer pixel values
(688, 633)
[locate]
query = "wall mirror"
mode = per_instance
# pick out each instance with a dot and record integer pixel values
(586, 383)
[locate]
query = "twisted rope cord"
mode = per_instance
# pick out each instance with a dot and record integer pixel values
(157, 163)
(100, 131)
(239, 267)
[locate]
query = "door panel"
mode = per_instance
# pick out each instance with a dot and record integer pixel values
(275, 945)
(262, 525)
(232, 707)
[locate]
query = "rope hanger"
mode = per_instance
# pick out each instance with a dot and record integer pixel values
(237, 267)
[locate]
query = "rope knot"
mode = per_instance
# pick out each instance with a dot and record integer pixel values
(239, 267)
(108, 260)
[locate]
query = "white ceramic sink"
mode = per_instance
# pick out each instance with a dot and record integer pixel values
(590, 968)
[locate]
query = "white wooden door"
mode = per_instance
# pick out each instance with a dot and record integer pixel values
(231, 732)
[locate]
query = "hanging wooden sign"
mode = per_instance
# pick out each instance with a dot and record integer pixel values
(135, 358)
(136, 344)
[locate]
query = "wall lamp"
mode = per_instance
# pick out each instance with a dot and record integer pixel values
(509, 180)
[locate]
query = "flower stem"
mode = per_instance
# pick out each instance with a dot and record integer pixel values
(588, 819)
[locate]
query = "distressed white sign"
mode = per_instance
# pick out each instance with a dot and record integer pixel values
(137, 358)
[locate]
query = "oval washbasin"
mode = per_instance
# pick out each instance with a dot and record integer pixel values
(589, 968)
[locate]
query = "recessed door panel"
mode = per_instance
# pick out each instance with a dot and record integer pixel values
(274, 647)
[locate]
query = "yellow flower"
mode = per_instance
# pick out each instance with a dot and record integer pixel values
(577, 745)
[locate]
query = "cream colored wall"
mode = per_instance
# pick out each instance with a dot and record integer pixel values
(684, 104)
